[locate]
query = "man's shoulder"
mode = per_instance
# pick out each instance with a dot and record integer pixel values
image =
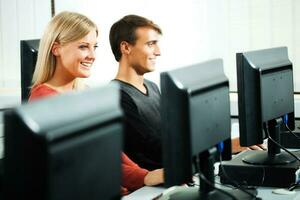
(126, 95)
(147, 81)
(151, 85)
(124, 86)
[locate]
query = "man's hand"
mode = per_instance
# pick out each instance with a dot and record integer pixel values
(257, 147)
(154, 177)
(236, 147)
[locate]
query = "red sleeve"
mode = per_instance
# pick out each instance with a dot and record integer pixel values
(124, 191)
(41, 91)
(133, 175)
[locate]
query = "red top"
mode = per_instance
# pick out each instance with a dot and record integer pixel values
(133, 176)
(41, 91)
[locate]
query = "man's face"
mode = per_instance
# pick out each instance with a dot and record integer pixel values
(143, 53)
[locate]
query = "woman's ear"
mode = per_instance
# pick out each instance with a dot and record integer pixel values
(55, 49)
(125, 47)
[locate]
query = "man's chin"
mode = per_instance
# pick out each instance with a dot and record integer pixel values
(146, 70)
(151, 69)
(85, 75)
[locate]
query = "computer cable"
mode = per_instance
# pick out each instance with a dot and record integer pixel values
(294, 186)
(236, 184)
(279, 145)
(201, 175)
(220, 148)
(289, 190)
(285, 118)
(285, 121)
(296, 136)
(196, 162)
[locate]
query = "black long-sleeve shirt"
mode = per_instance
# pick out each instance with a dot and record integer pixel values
(142, 129)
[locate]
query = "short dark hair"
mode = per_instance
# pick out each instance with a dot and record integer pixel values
(125, 30)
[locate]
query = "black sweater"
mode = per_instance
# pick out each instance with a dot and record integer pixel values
(142, 129)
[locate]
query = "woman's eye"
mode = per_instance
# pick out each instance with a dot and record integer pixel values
(83, 46)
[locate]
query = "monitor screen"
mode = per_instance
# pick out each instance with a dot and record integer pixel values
(64, 147)
(196, 118)
(265, 97)
(29, 53)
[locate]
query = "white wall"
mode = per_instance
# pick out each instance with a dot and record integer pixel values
(19, 20)
(196, 30)
(173, 16)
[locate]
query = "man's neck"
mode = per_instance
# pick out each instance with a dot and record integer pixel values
(129, 75)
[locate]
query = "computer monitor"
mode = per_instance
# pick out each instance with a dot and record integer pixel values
(64, 147)
(266, 107)
(195, 118)
(29, 53)
(265, 101)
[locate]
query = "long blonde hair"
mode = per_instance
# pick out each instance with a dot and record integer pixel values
(64, 28)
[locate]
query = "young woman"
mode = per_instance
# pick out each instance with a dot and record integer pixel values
(66, 54)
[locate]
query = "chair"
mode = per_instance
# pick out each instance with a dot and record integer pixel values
(29, 52)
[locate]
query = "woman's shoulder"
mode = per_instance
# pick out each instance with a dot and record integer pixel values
(40, 91)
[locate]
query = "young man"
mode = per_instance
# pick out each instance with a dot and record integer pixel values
(134, 42)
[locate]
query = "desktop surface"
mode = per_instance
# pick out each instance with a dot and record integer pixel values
(266, 193)
(260, 175)
(145, 193)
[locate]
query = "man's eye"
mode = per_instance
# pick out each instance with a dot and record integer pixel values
(95, 47)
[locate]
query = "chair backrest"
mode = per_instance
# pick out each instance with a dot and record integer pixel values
(29, 52)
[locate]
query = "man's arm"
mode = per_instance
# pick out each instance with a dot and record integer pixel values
(236, 147)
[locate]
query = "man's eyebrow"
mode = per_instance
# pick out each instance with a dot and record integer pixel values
(152, 41)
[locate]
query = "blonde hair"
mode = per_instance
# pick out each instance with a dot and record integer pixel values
(64, 28)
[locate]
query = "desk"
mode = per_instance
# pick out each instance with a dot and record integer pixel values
(148, 193)
(145, 193)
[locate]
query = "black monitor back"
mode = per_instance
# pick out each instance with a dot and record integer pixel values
(29, 53)
(195, 116)
(265, 91)
(64, 147)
